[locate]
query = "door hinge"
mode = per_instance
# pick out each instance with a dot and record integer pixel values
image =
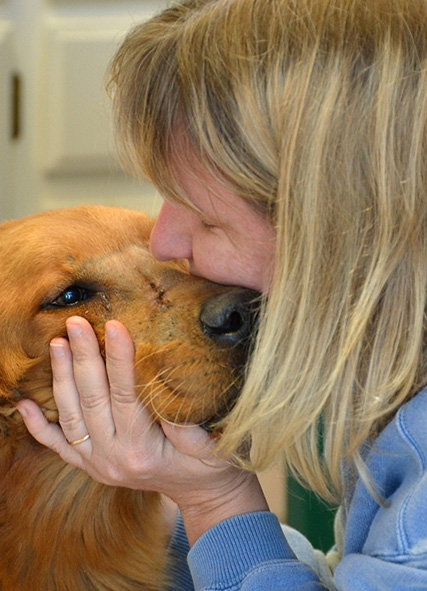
(16, 99)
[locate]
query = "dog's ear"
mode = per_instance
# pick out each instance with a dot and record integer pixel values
(14, 361)
(13, 365)
(16, 309)
(23, 377)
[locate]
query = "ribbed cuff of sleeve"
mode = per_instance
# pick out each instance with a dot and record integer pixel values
(229, 550)
(179, 574)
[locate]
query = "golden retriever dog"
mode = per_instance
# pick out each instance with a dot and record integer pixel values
(60, 530)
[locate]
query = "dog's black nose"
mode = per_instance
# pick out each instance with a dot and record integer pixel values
(229, 318)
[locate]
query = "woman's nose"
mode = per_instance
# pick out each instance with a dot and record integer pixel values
(170, 238)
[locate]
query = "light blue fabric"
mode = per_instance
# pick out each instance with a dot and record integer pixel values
(385, 546)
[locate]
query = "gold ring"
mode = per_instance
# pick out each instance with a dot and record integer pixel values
(78, 441)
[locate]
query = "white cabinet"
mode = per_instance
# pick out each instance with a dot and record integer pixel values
(56, 141)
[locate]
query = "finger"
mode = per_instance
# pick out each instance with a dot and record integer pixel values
(190, 440)
(130, 418)
(48, 434)
(65, 391)
(86, 376)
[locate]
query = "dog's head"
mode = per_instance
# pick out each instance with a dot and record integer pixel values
(191, 336)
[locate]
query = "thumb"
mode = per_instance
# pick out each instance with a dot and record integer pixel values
(190, 440)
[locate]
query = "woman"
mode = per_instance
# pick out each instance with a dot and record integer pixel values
(289, 140)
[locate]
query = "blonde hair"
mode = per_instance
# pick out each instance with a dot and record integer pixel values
(315, 111)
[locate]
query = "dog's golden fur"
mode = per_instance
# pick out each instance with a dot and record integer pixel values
(59, 530)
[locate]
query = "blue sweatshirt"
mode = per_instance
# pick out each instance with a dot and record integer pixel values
(383, 546)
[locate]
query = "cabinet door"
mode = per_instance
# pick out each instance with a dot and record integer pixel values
(65, 153)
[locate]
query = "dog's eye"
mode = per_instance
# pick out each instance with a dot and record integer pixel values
(72, 296)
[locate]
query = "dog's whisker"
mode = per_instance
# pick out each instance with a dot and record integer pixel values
(161, 350)
(173, 394)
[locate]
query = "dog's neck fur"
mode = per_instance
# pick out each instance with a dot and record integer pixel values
(66, 531)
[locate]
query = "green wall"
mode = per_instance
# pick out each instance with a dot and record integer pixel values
(309, 515)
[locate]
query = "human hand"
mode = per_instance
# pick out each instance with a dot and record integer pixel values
(126, 446)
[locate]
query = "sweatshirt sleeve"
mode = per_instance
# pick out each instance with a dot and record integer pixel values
(179, 576)
(249, 553)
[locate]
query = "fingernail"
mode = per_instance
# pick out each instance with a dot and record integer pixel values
(22, 411)
(110, 331)
(56, 350)
(74, 330)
